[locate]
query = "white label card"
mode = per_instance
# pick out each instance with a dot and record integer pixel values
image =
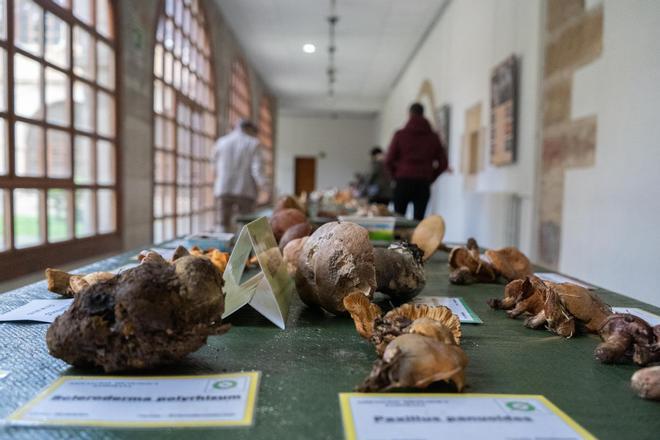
(40, 310)
(649, 317)
(559, 279)
(455, 416)
(269, 291)
(456, 305)
(143, 401)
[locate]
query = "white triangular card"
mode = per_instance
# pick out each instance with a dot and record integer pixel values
(269, 290)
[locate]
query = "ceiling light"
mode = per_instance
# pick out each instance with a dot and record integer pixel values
(309, 48)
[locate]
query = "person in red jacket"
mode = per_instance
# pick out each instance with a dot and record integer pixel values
(416, 158)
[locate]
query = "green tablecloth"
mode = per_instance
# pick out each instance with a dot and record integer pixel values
(318, 356)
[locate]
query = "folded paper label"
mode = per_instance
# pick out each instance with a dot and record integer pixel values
(456, 305)
(144, 401)
(40, 310)
(269, 291)
(464, 416)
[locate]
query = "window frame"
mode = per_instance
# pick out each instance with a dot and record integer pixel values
(239, 69)
(21, 261)
(192, 105)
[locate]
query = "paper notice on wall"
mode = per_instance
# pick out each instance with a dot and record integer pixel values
(456, 305)
(649, 317)
(144, 401)
(453, 416)
(40, 310)
(559, 279)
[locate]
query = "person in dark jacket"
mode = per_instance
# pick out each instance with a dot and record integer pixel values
(416, 158)
(379, 185)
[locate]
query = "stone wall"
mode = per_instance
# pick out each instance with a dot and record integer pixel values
(573, 38)
(136, 34)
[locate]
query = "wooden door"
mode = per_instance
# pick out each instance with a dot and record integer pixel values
(305, 174)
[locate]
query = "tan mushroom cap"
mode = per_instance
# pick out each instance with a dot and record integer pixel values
(441, 314)
(363, 312)
(428, 235)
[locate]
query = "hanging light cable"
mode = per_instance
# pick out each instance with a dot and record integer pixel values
(333, 18)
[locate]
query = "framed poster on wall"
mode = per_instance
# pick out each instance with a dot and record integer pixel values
(504, 112)
(443, 118)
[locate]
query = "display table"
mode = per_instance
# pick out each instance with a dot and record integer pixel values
(401, 222)
(305, 367)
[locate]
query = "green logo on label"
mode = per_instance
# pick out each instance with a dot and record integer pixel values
(520, 406)
(224, 384)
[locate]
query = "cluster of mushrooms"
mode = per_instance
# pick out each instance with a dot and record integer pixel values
(417, 345)
(565, 309)
(337, 269)
(144, 317)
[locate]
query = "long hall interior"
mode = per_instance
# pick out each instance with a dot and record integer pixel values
(282, 190)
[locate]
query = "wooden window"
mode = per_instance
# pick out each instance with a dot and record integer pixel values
(184, 122)
(266, 139)
(240, 106)
(58, 136)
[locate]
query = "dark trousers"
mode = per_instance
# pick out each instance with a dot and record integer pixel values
(412, 190)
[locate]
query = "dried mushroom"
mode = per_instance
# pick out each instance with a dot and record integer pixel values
(416, 361)
(282, 220)
(288, 202)
(558, 307)
(338, 259)
(218, 258)
(628, 337)
(147, 316)
(296, 231)
(68, 285)
(646, 383)
(399, 271)
(428, 235)
(437, 322)
(468, 266)
(291, 253)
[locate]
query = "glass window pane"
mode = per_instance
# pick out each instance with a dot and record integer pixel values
(4, 239)
(83, 98)
(3, 79)
(27, 218)
(105, 64)
(57, 97)
(105, 115)
(59, 154)
(27, 90)
(28, 26)
(168, 200)
(28, 150)
(103, 18)
(158, 201)
(158, 61)
(3, 19)
(83, 10)
(57, 41)
(83, 53)
(84, 213)
(107, 211)
(59, 210)
(4, 151)
(105, 163)
(83, 167)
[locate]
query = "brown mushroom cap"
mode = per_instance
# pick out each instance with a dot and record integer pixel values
(441, 314)
(287, 202)
(336, 260)
(284, 219)
(428, 235)
(296, 231)
(510, 263)
(291, 253)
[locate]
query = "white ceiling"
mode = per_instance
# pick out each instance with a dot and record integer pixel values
(375, 38)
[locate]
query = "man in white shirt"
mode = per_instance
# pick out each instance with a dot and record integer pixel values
(239, 174)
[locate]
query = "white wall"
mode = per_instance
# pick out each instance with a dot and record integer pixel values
(346, 142)
(468, 41)
(611, 211)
